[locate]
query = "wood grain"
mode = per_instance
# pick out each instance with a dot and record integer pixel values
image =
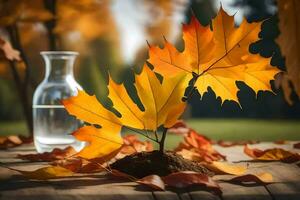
(13, 186)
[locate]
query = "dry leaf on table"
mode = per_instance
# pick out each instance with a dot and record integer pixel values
(275, 154)
(55, 154)
(153, 181)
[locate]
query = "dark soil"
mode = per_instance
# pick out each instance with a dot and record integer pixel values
(143, 164)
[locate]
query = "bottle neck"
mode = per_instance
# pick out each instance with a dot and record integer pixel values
(59, 68)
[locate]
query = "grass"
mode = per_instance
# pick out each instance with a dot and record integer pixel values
(13, 128)
(242, 129)
(225, 129)
(247, 129)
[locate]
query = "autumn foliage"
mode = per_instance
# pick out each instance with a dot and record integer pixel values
(215, 56)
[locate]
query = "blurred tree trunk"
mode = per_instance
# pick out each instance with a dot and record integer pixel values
(22, 86)
(289, 41)
(50, 5)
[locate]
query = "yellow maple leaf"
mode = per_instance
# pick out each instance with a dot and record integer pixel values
(226, 168)
(45, 173)
(162, 106)
(104, 143)
(162, 101)
(218, 57)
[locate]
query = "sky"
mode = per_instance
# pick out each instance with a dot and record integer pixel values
(134, 16)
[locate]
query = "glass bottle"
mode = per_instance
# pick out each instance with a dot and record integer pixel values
(52, 125)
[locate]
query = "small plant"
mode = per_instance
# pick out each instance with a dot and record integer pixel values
(215, 56)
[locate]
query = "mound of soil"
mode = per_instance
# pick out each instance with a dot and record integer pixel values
(143, 164)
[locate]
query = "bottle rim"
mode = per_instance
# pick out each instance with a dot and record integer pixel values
(60, 53)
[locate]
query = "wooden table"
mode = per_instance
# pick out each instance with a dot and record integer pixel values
(98, 186)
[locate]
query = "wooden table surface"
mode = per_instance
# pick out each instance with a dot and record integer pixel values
(97, 186)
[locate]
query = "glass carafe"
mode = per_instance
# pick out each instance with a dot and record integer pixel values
(51, 122)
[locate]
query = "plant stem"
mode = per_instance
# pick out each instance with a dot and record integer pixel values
(156, 136)
(141, 133)
(162, 141)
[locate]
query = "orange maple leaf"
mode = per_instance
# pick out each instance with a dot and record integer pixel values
(217, 57)
(197, 147)
(275, 154)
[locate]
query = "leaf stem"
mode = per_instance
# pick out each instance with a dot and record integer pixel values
(156, 136)
(141, 133)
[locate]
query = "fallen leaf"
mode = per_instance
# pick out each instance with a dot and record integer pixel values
(194, 140)
(179, 128)
(197, 147)
(153, 181)
(80, 165)
(45, 173)
(187, 178)
(197, 141)
(10, 141)
(104, 143)
(218, 56)
(55, 154)
(223, 143)
(226, 168)
(275, 154)
(133, 145)
(262, 178)
(190, 154)
(296, 145)
(72, 164)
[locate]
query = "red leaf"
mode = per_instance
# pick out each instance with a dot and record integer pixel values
(187, 178)
(72, 164)
(198, 148)
(275, 154)
(133, 145)
(153, 181)
(180, 128)
(262, 178)
(55, 154)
